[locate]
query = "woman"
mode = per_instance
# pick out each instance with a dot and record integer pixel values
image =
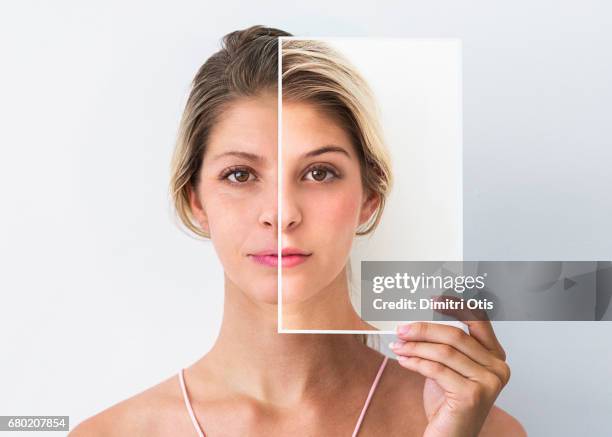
(255, 381)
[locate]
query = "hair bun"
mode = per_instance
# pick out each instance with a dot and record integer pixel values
(235, 41)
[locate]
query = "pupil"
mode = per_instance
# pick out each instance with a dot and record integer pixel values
(321, 173)
(242, 176)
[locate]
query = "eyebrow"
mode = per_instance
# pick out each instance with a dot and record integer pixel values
(246, 155)
(326, 149)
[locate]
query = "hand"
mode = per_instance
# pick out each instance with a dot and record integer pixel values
(464, 372)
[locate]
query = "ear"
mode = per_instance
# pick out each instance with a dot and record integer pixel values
(197, 209)
(369, 205)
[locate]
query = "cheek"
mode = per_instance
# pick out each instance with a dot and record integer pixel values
(334, 213)
(230, 218)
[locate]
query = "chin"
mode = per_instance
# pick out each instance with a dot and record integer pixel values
(296, 291)
(263, 291)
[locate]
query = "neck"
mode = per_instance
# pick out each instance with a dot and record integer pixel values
(255, 360)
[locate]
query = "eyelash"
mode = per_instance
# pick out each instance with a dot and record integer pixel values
(326, 168)
(232, 170)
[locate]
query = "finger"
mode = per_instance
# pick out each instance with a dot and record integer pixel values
(449, 380)
(451, 335)
(478, 323)
(460, 312)
(454, 359)
(442, 353)
(484, 333)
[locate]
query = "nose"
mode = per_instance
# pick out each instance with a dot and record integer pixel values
(268, 216)
(291, 215)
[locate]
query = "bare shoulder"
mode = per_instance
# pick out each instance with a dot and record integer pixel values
(501, 424)
(152, 412)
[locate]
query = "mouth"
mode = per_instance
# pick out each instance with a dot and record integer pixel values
(290, 257)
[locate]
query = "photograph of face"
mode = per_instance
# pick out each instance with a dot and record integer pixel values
(371, 168)
(323, 204)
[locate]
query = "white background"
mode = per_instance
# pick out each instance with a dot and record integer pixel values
(103, 297)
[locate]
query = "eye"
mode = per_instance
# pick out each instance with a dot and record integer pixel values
(322, 173)
(237, 175)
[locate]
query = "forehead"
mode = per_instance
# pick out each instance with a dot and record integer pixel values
(305, 127)
(248, 123)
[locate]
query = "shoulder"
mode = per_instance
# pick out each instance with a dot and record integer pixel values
(148, 413)
(501, 424)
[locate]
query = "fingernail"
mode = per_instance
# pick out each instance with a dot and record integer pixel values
(403, 329)
(395, 344)
(402, 358)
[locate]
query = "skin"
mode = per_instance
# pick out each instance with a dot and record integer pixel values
(257, 382)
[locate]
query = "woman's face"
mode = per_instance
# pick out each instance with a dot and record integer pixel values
(323, 202)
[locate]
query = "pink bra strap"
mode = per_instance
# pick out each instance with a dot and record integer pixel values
(357, 426)
(188, 405)
(367, 402)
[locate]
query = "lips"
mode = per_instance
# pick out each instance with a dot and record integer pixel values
(291, 256)
(289, 251)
